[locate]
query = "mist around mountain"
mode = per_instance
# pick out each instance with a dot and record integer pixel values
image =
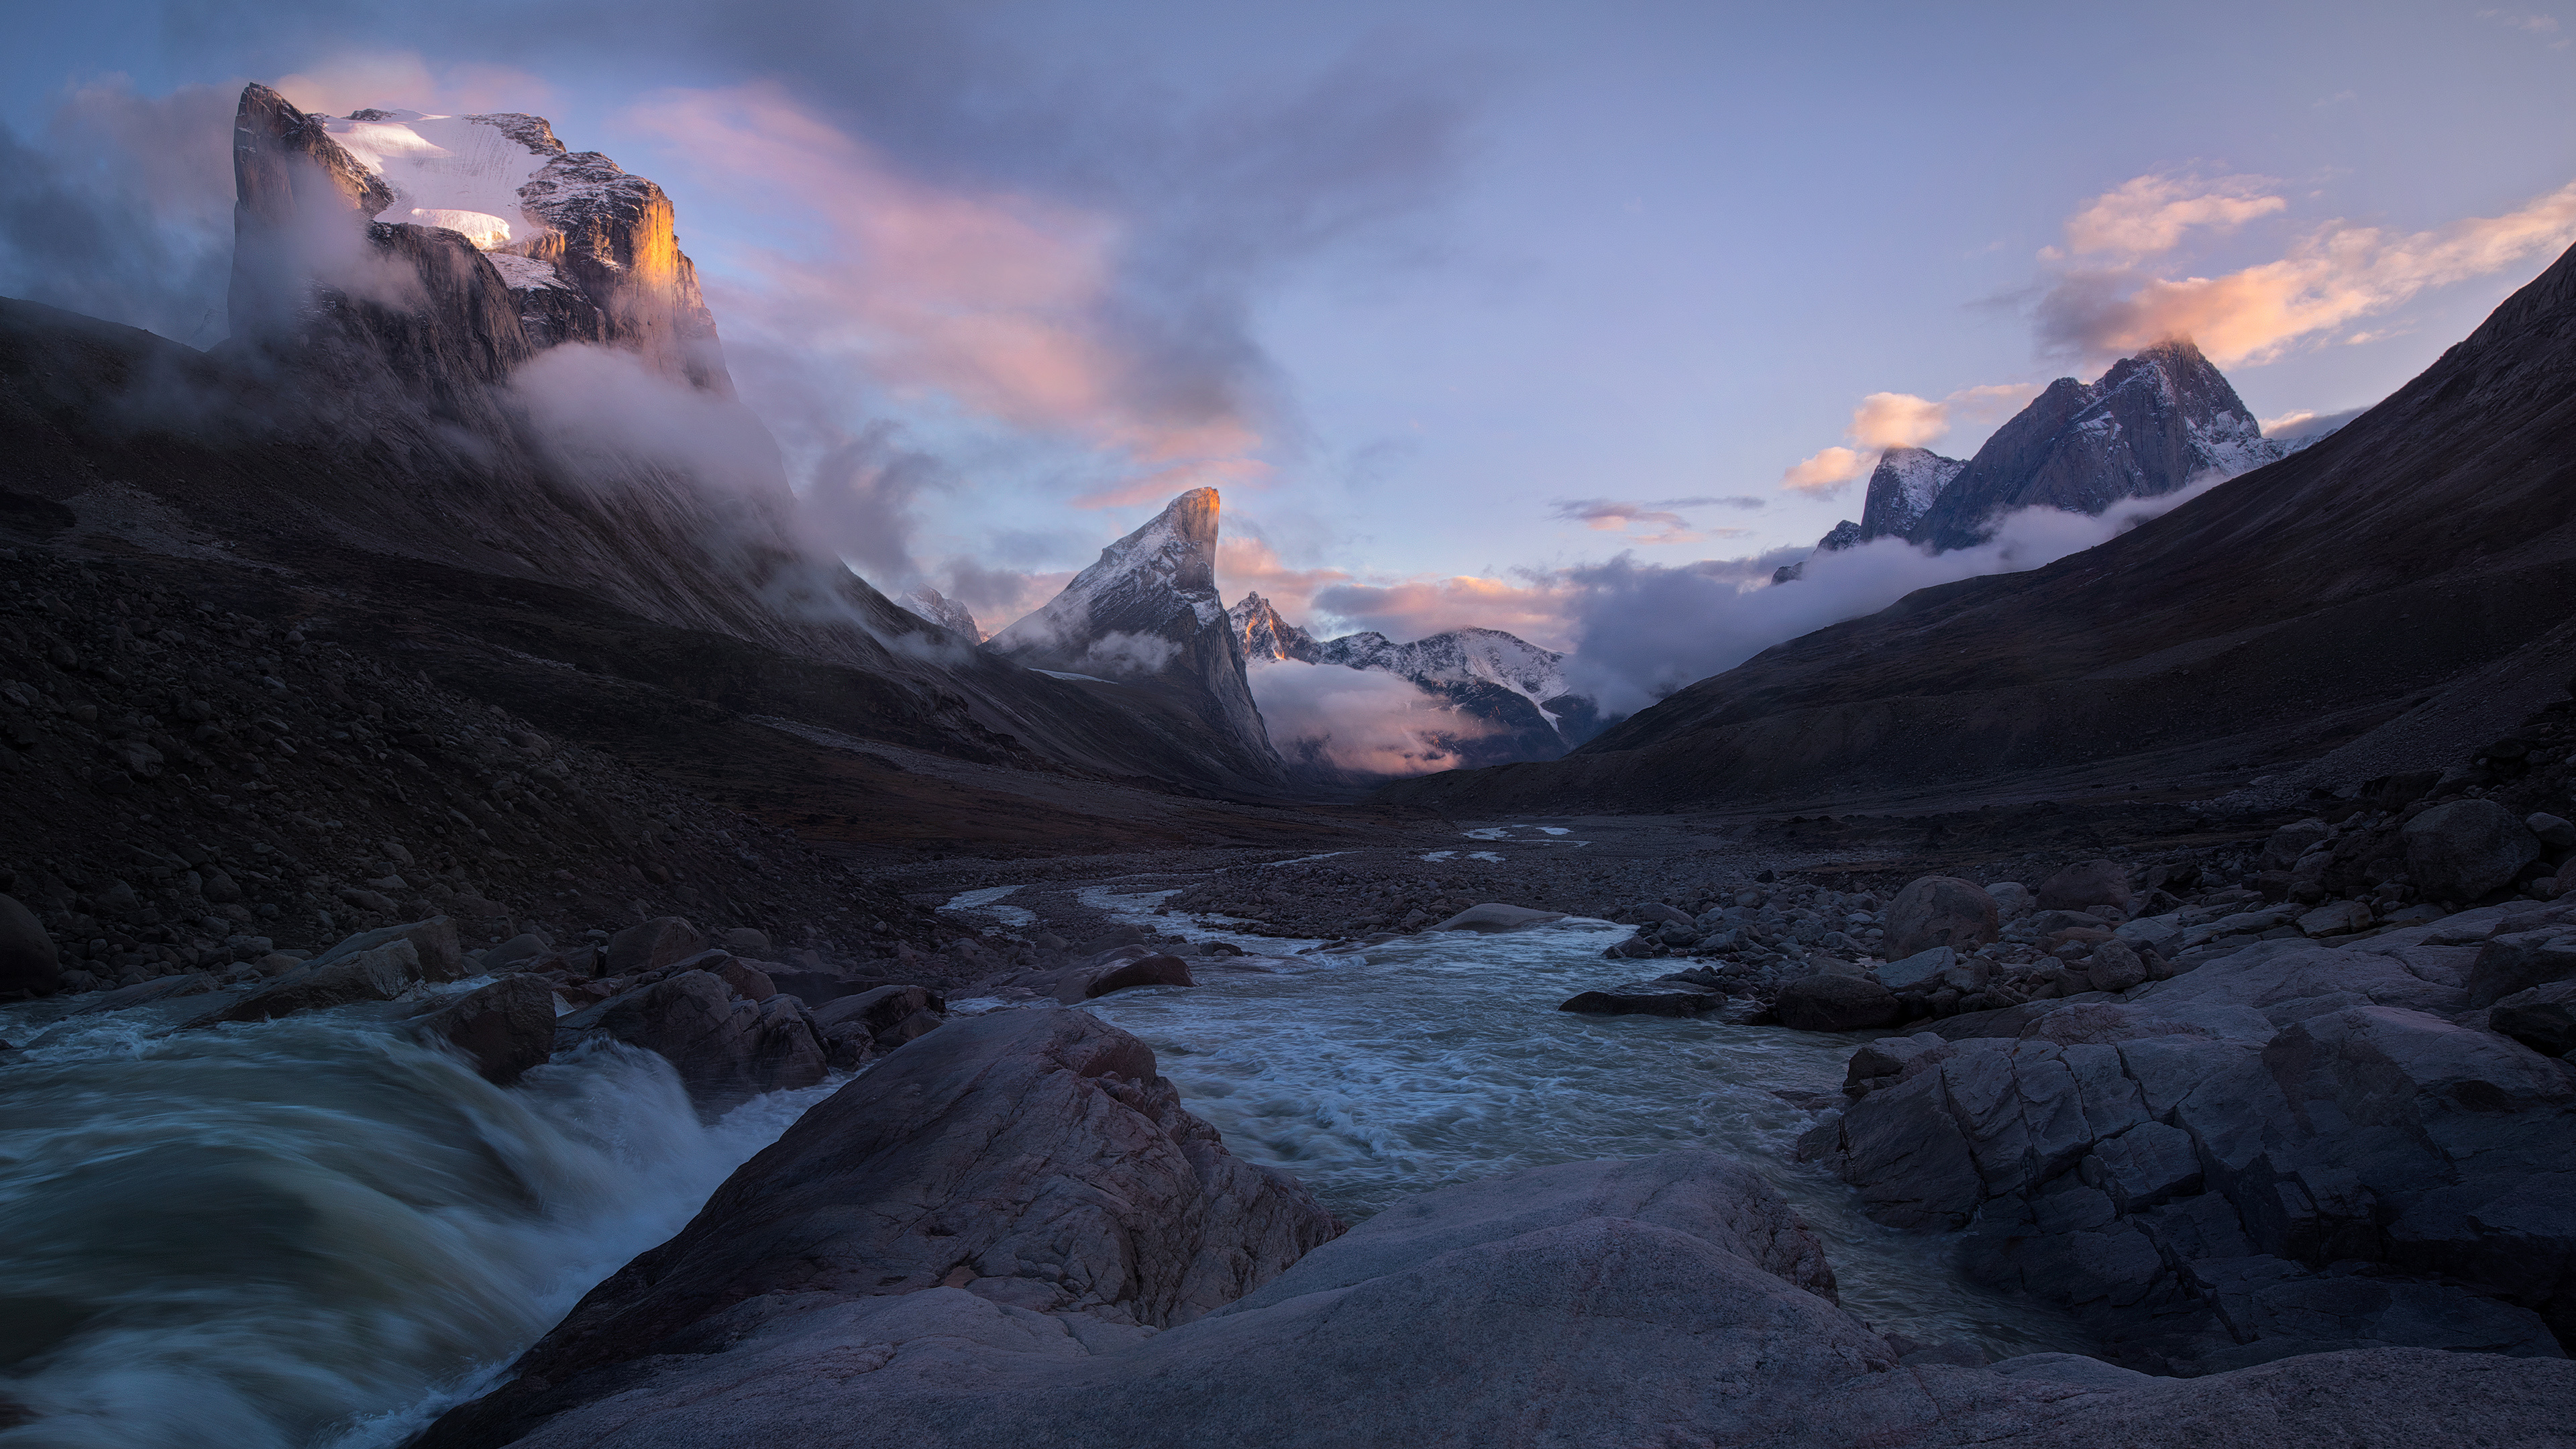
(1477, 696)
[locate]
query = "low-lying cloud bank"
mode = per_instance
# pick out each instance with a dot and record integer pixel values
(1642, 631)
(1361, 720)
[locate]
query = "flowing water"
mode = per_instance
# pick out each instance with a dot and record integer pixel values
(310, 1231)
(314, 1232)
(1442, 1058)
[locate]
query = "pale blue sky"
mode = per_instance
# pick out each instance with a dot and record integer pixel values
(1454, 264)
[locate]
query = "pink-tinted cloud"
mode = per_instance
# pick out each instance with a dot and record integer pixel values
(1248, 565)
(1652, 522)
(2333, 277)
(2150, 214)
(1827, 470)
(1415, 607)
(991, 303)
(1900, 420)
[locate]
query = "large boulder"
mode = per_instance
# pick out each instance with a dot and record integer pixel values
(1667, 1301)
(2462, 850)
(2086, 884)
(652, 945)
(1494, 916)
(28, 964)
(502, 1029)
(1830, 1001)
(1024, 1173)
(1940, 910)
(725, 1049)
(433, 942)
(1114, 970)
(856, 1028)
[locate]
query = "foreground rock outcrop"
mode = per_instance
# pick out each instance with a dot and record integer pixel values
(2289, 1149)
(976, 1243)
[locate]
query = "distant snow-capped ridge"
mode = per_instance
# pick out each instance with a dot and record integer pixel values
(1470, 667)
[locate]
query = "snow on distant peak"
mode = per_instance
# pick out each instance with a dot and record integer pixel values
(458, 172)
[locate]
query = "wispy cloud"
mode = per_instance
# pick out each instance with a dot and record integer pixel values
(2337, 274)
(1652, 522)
(2146, 215)
(2527, 23)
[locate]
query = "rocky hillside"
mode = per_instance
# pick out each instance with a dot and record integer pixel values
(2377, 601)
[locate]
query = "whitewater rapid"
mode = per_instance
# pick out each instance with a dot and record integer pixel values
(311, 1231)
(1440, 1058)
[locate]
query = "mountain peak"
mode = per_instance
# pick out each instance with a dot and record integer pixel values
(1268, 638)
(1147, 613)
(2151, 424)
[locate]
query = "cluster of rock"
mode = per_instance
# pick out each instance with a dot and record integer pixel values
(1010, 1232)
(2301, 1145)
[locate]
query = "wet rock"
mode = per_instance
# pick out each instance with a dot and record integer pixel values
(652, 945)
(1115, 970)
(503, 1029)
(1940, 910)
(725, 1049)
(28, 963)
(856, 1028)
(1493, 916)
(1830, 1001)
(144, 993)
(2461, 850)
(1032, 1159)
(2086, 884)
(432, 940)
(1646, 998)
(343, 978)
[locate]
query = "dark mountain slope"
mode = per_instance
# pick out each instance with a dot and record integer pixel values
(2392, 591)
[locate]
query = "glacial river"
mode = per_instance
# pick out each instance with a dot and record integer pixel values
(312, 1232)
(1442, 1058)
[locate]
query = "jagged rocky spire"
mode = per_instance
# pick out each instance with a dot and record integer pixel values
(1147, 613)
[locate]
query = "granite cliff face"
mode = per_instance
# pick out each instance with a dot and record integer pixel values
(1146, 616)
(358, 220)
(1902, 489)
(2154, 423)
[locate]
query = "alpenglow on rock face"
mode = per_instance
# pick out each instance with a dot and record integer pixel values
(1147, 614)
(529, 245)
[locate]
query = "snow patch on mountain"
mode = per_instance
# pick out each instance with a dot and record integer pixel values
(459, 172)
